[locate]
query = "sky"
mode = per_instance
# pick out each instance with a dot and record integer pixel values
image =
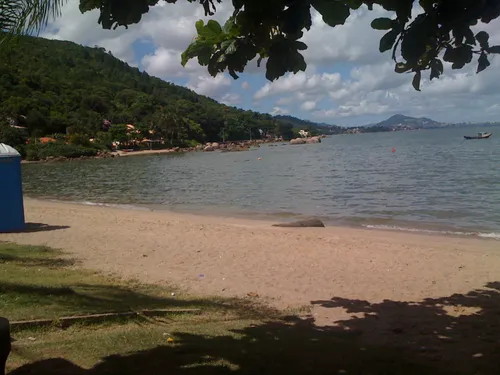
(348, 81)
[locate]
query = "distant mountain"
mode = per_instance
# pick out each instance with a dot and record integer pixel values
(402, 122)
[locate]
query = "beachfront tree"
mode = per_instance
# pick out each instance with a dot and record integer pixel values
(420, 34)
(171, 126)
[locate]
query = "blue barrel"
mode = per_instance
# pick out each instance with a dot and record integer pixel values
(11, 190)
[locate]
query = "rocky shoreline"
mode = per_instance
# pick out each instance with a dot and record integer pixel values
(234, 146)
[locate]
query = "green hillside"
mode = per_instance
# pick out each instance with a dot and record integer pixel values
(313, 127)
(55, 87)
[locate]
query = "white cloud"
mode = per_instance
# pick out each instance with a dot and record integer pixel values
(302, 84)
(231, 99)
(355, 41)
(215, 87)
(308, 106)
(285, 100)
(279, 111)
(167, 63)
(245, 85)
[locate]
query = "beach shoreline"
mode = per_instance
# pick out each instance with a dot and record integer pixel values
(287, 267)
(284, 217)
(243, 146)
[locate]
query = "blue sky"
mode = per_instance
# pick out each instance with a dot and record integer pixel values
(348, 82)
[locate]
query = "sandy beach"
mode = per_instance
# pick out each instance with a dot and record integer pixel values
(288, 267)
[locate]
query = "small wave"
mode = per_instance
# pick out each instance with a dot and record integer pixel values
(492, 235)
(113, 205)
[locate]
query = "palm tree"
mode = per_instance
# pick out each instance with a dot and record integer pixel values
(170, 125)
(21, 17)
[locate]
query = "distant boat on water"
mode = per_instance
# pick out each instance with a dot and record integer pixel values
(481, 135)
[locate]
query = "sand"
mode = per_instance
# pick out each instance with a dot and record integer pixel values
(287, 267)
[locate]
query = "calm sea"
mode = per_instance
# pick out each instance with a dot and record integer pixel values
(434, 181)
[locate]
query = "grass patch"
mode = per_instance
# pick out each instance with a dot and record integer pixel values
(125, 348)
(38, 282)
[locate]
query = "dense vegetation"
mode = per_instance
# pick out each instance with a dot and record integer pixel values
(56, 88)
(313, 127)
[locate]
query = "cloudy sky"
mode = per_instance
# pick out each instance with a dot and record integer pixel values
(348, 82)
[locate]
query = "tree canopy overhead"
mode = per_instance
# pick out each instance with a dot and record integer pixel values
(420, 35)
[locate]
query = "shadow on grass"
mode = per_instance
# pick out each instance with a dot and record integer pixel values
(36, 262)
(35, 283)
(81, 299)
(452, 335)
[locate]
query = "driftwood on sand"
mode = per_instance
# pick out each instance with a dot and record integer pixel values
(302, 224)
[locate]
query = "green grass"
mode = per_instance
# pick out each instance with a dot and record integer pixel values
(38, 282)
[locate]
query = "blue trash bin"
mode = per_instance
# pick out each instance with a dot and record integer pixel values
(11, 190)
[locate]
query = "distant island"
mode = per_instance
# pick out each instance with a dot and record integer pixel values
(397, 122)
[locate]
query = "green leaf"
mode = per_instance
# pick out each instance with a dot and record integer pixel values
(199, 26)
(233, 74)
(449, 54)
(334, 12)
(283, 57)
(354, 4)
(214, 26)
(296, 18)
(482, 37)
(228, 26)
(204, 55)
(382, 24)
(298, 62)
(275, 67)
(213, 66)
(462, 32)
(416, 80)
(427, 4)
(87, 5)
(300, 45)
(200, 49)
(388, 40)
(459, 56)
(463, 55)
(417, 39)
(436, 68)
(401, 68)
(231, 48)
(483, 63)
(494, 49)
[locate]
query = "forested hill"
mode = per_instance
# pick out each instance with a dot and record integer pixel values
(53, 86)
(315, 126)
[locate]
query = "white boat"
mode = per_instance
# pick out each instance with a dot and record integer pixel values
(481, 135)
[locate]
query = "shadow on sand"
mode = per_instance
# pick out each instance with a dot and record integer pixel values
(40, 227)
(459, 334)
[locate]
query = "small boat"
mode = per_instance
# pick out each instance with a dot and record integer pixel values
(481, 135)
